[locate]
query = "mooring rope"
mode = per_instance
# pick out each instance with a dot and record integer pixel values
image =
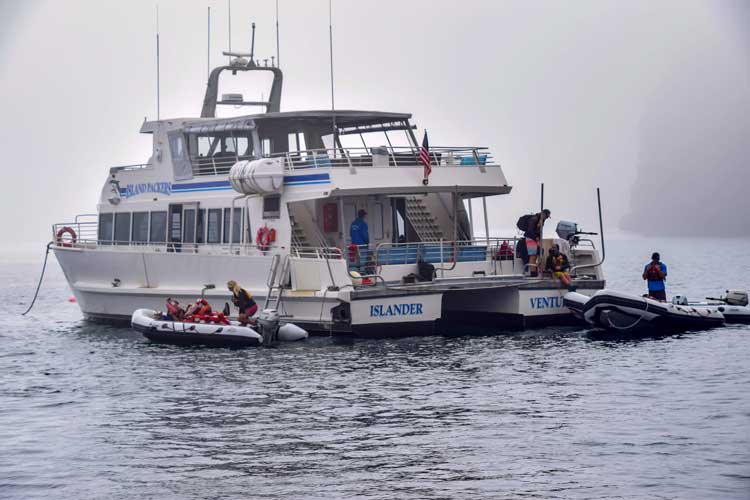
(39, 285)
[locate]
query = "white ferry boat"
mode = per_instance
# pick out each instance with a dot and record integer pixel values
(268, 199)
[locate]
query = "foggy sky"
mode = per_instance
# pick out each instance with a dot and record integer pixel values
(563, 92)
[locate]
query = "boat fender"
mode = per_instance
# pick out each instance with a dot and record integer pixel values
(66, 243)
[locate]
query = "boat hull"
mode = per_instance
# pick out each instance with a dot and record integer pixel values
(628, 315)
(177, 333)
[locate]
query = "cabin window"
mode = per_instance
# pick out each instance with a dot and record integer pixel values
(105, 227)
(188, 226)
(177, 147)
(200, 227)
(158, 231)
(204, 145)
(214, 225)
(271, 207)
(140, 227)
(266, 146)
(235, 225)
(122, 228)
(297, 142)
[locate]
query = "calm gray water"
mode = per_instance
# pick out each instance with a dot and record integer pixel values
(89, 411)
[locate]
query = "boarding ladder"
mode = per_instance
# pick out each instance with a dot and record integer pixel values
(421, 220)
(281, 268)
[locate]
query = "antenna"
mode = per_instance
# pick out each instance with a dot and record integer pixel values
(330, 45)
(229, 24)
(278, 57)
(208, 43)
(252, 43)
(158, 72)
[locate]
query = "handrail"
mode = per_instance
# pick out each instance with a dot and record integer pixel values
(397, 156)
(601, 237)
(124, 168)
(450, 252)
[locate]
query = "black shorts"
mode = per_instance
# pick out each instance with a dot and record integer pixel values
(658, 294)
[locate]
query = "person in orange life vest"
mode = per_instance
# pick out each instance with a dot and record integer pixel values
(244, 302)
(558, 264)
(532, 235)
(655, 273)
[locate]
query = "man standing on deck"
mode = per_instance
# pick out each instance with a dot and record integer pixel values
(358, 231)
(655, 273)
(532, 234)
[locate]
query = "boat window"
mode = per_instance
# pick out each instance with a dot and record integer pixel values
(205, 146)
(140, 227)
(214, 225)
(297, 142)
(122, 228)
(105, 228)
(177, 146)
(271, 207)
(188, 226)
(200, 227)
(266, 146)
(158, 231)
(235, 225)
(377, 221)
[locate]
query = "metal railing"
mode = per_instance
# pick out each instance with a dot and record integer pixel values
(381, 156)
(332, 253)
(384, 156)
(127, 168)
(445, 252)
(216, 165)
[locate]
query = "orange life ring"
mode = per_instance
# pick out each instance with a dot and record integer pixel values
(73, 237)
(262, 238)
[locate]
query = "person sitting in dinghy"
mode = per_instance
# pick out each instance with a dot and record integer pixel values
(175, 312)
(558, 264)
(244, 302)
(655, 273)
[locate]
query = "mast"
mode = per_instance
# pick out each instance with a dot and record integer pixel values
(158, 69)
(330, 46)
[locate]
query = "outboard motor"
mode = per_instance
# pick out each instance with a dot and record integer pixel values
(566, 230)
(268, 326)
(569, 231)
(736, 298)
(680, 300)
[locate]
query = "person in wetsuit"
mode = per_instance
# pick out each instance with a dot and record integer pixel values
(558, 264)
(244, 302)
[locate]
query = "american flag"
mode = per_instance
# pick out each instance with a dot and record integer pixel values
(424, 158)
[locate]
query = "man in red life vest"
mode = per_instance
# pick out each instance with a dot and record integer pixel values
(655, 273)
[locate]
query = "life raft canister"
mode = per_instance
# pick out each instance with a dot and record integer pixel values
(61, 232)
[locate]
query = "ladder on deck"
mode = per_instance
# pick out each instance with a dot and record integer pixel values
(299, 238)
(276, 287)
(421, 220)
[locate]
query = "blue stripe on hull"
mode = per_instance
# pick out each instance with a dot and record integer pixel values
(289, 180)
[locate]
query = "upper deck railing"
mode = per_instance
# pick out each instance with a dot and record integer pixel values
(381, 156)
(384, 156)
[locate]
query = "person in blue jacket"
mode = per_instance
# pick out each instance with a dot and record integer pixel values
(655, 273)
(358, 231)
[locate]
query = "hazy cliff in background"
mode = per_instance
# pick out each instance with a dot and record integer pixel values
(694, 155)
